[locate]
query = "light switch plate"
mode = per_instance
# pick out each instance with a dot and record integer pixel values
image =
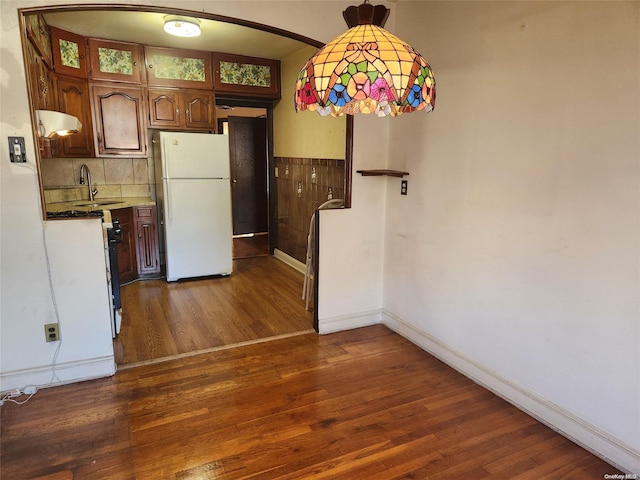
(17, 150)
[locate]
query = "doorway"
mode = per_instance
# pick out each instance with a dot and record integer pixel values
(248, 132)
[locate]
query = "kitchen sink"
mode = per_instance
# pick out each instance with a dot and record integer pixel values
(95, 204)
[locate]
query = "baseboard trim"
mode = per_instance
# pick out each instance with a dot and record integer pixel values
(349, 322)
(579, 431)
(70, 372)
(289, 260)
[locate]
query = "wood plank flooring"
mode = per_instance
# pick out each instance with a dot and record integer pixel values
(255, 246)
(260, 299)
(352, 405)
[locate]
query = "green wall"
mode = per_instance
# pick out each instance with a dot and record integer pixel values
(304, 134)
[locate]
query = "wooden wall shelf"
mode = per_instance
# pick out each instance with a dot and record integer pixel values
(379, 173)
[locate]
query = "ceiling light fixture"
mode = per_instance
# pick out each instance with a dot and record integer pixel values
(181, 26)
(366, 70)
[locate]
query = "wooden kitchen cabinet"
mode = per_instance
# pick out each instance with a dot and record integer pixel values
(115, 61)
(69, 53)
(41, 80)
(253, 76)
(127, 261)
(119, 120)
(38, 34)
(74, 99)
(171, 67)
(182, 109)
(146, 232)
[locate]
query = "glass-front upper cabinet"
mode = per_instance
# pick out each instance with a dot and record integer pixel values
(115, 61)
(38, 33)
(69, 53)
(246, 75)
(170, 67)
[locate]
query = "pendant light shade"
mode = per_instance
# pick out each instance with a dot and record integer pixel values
(366, 70)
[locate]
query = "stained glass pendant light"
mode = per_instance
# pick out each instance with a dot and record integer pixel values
(366, 70)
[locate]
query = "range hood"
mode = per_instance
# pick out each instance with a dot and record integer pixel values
(53, 124)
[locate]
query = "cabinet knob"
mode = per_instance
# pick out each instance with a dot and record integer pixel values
(135, 64)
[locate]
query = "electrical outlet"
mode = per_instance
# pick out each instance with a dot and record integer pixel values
(403, 187)
(52, 332)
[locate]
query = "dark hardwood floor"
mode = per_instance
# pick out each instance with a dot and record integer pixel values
(361, 404)
(260, 299)
(255, 246)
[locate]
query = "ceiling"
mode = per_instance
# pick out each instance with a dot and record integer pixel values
(147, 28)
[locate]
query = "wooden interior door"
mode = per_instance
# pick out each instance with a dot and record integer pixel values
(248, 156)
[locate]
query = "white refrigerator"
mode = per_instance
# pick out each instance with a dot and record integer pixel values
(194, 201)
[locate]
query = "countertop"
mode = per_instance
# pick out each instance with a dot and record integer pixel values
(104, 204)
(111, 204)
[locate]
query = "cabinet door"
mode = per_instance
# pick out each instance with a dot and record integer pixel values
(199, 109)
(115, 61)
(170, 67)
(69, 53)
(165, 109)
(127, 263)
(257, 77)
(74, 99)
(40, 81)
(118, 116)
(38, 33)
(146, 231)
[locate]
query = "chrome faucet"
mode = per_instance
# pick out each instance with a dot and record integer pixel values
(92, 190)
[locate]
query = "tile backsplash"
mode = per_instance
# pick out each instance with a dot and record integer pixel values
(113, 177)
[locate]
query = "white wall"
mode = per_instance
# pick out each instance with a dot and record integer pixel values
(24, 291)
(515, 255)
(351, 241)
(25, 297)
